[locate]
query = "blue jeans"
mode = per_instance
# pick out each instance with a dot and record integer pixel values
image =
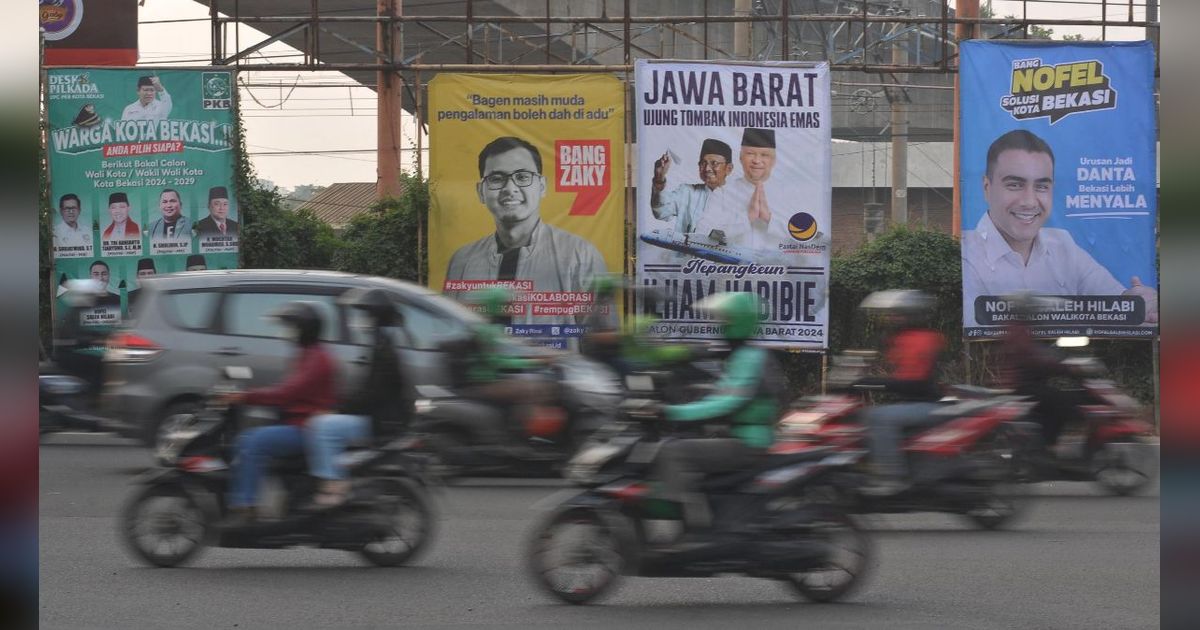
(254, 446)
(327, 438)
(886, 425)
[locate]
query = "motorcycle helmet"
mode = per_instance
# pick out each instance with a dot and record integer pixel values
(606, 285)
(302, 318)
(901, 307)
(493, 300)
(738, 312)
(375, 303)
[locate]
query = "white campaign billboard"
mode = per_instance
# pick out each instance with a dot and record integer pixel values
(734, 195)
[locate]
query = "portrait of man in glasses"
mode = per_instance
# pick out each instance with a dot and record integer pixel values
(686, 203)
(523, 247)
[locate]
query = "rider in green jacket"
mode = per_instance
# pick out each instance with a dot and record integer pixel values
(744, 399)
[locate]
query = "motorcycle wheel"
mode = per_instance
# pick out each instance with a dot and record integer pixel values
(1000, 506)
(1115, 472)
(164, 526)
(576, 556)
(850, 556)
(409, 521)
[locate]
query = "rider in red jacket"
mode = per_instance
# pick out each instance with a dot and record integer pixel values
(912, 353)
(309, 389)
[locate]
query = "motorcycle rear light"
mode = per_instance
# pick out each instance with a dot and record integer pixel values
(199, 464)
(127, 347)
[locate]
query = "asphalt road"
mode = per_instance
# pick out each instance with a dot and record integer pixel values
(1079, 560)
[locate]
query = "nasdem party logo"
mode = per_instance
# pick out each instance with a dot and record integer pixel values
(1057, 91)
(802, 226)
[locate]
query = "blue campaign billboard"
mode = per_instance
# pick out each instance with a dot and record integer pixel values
(1058, 187)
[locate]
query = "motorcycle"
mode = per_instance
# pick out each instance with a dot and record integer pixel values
(968, 464)
(63, 401)
(1112, 445)
(176, 510)
(773, 521)
(475, 437)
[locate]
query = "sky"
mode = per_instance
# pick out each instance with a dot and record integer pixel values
(287, 114)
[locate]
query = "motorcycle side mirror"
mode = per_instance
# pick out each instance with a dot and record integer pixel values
(238, 373)
(1071, 342)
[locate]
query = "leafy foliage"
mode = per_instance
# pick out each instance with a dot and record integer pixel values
(386, 240)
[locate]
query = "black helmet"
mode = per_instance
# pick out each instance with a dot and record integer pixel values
(375, 302)
(301, 316)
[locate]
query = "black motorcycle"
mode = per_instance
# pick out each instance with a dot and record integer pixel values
(778, 521)
(63, 400)
(475, 437)
(177, 509)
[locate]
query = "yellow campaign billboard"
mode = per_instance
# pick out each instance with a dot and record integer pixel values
(527, 184)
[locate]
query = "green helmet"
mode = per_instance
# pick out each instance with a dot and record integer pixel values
(739, 313)
(606, 284)
(493, 299)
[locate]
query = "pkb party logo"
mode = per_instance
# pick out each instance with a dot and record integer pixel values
(802, 226)
(215, 90)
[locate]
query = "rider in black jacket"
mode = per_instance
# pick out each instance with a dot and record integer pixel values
(380, 407)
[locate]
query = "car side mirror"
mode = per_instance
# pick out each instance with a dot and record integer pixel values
(238, 373)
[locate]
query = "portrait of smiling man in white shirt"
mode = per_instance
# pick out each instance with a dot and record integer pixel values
(1010, 250)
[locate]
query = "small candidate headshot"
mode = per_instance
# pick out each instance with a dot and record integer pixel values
(757, 154)
(172, 224)
(511, 187)
(122, 226)
(217, 223)
(99, 272)
(196, 262)
(68, 208)
(145, 267)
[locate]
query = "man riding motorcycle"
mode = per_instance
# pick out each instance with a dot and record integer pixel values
(1027, 368)
(307, 390)
(912, 352)
(378, 408)
(743, 397)
(499, 378)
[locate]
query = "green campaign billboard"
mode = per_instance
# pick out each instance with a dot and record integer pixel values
(141, 177)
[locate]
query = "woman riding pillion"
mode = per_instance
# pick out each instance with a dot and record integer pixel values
(744, 398)
(308, 389)
(377, 409)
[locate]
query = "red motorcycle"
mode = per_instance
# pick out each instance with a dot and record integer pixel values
(969, 464)
(1111, 444)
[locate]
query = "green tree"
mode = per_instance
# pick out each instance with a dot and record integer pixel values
(385, 240)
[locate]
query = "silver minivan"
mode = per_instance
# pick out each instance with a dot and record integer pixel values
(188, 326)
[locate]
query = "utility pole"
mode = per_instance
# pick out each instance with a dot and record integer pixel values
(965, 9)
(389, 86)
(899, 103)
(741, 30)
(1151, 16)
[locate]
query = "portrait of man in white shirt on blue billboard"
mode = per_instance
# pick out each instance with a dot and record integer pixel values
(1010, 250)
(73, 234)
(153, 101)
